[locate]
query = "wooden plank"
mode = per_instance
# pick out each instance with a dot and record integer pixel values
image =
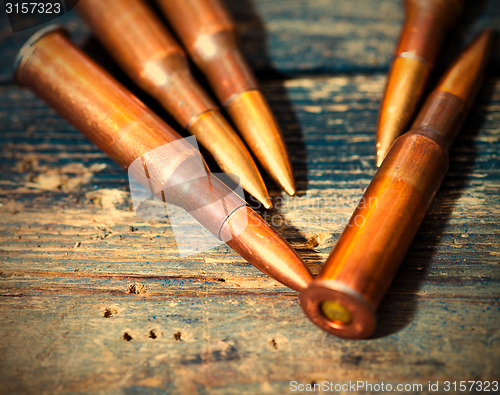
(69, 346)
(294, 36)
(70, 247)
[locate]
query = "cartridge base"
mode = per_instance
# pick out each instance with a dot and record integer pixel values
(362, 316)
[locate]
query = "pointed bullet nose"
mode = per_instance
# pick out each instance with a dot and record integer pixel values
(403, 93)
(382, 150)
(257, 125)
(288, 184)
(264, 248)
(262, 197)
(464, 76)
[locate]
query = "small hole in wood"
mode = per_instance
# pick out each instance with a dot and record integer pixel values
(126, 336)
(177, 336)
(136, 288)
(110, 312)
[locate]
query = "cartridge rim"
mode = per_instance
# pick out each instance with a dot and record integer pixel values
(362, 314)
(28, 46)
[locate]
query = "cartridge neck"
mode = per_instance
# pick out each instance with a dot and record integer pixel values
(220, 58)
(441, 118)
(209, 34)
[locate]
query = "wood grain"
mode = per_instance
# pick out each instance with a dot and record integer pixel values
(95, 299)
(70, 248)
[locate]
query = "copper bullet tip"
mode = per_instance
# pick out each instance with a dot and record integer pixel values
(471, 62)
(254, 120)
(404, 88)
(264, 248)
(216, 135)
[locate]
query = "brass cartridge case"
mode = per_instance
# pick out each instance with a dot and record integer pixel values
(426, 24)
(344, 296)
(127, 131)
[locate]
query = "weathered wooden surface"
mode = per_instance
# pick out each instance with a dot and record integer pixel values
(70, 245)
(293, 37)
